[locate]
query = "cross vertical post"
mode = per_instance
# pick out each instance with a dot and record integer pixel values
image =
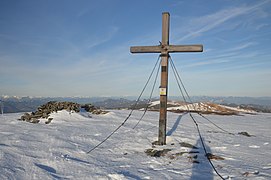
(164, 49)
(164, 80)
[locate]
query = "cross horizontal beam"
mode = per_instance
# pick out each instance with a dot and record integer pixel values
(166, 48)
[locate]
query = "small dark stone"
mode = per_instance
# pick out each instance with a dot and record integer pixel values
(49, 120)
(244, 134)
(94, 110)
(34, 120)
(184, 144)
(157, 153)
(212, 156)
(154, 143)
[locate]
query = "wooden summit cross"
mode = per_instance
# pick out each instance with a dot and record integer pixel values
(164, 48)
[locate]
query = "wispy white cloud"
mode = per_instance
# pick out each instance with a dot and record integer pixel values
(229, 56)
(209, 62)
(200, 25)
(260, 26)
(241, 46)
(93, 42)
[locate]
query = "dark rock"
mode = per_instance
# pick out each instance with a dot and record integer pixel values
(212, 156)
(45, 110)
(244, 134)
(92, 109)
(34, 120)
(184, 144)
(157, 153)
(49, 120)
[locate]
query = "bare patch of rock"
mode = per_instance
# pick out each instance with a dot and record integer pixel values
(45, 110)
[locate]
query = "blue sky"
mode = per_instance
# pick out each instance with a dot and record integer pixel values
(81, 48)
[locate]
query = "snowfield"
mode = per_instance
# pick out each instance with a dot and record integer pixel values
(58, 150)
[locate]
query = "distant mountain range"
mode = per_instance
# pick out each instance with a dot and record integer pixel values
(263, 101)
(28, 104)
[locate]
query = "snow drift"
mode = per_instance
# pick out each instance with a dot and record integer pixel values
(57, 150)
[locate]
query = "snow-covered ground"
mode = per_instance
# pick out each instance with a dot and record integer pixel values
(57, 150)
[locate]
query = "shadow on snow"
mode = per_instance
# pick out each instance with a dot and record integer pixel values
(176, 124)
(202, 170)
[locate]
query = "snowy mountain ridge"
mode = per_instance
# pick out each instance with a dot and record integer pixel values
(28, 104)
(201, 107)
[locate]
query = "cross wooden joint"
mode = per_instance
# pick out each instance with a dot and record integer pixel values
(166, 48)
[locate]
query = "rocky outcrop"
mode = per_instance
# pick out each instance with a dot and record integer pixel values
(92, 109)
(45, 110)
